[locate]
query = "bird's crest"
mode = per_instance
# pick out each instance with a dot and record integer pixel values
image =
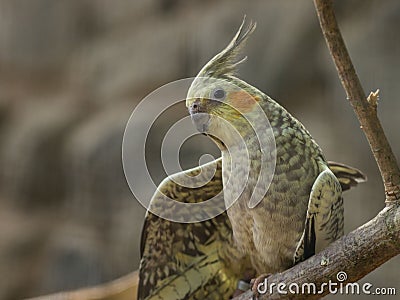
(225, 62)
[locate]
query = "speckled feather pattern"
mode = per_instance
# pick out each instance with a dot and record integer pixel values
(271, 231)
(205, 260)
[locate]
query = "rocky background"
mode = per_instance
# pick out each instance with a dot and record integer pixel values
(71, 72)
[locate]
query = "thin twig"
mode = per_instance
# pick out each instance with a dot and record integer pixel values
(365, 110)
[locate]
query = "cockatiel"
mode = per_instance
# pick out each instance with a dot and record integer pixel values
(297, 212)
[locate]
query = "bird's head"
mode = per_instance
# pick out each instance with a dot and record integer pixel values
(219, 102)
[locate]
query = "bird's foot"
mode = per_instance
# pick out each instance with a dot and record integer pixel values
(255, 283)
(242, 286)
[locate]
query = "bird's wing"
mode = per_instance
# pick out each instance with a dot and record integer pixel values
(324, 220)
(348, 177)
(187, 260)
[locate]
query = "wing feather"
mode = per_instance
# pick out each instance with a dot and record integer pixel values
(188, 260)
(324, 220)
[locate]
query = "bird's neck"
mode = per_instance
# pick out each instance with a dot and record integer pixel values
(243, 168)
(254, 159)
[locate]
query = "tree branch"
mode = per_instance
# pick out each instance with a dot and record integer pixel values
(365, 108)
(358, 253)
(123, 288)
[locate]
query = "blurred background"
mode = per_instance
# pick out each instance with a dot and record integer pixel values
(71, 72)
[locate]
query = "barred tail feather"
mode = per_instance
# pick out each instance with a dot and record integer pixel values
(347, 176)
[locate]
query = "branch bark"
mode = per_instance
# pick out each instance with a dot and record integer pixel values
(365, 108)
(358, 253)
(123, 288)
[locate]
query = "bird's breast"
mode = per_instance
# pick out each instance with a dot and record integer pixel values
(270, 231)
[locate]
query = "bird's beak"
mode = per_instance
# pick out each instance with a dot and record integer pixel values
(201, 121)
(199, 116)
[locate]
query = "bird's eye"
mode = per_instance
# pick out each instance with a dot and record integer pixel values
(219, 94)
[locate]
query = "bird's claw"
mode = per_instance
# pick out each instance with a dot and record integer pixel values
(255, 282)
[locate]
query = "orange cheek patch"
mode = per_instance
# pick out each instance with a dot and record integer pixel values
(242, 101)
